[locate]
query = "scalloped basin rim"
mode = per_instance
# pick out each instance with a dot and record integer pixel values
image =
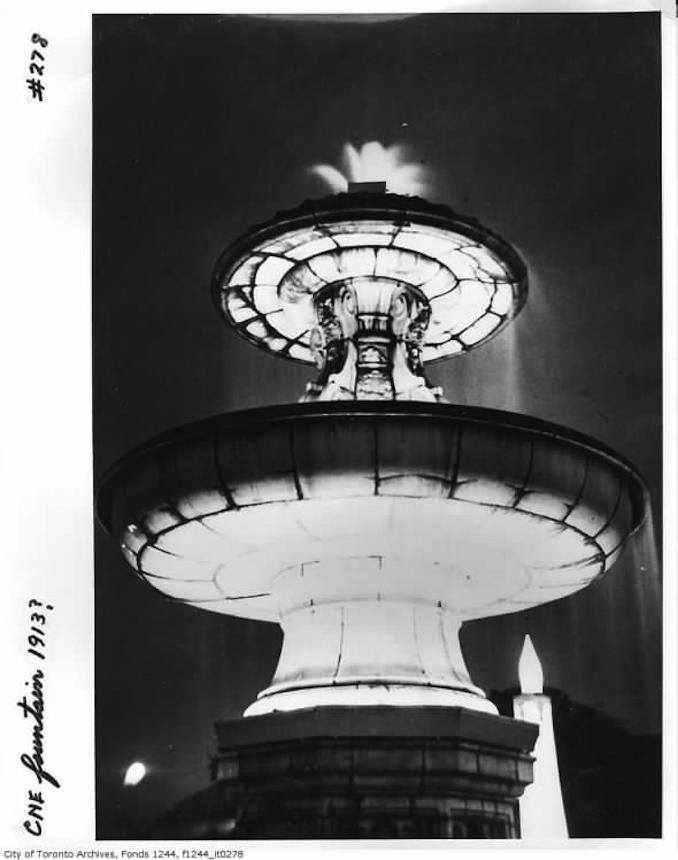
(365, 207)
(297, 412)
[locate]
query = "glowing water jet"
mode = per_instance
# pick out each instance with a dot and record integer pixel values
(376, 163)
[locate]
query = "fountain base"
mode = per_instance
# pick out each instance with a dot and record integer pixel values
(373, 773)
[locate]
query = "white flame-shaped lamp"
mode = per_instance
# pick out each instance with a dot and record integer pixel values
(542, 814)
(372, 519)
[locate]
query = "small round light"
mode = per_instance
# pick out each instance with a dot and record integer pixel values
(134, 774)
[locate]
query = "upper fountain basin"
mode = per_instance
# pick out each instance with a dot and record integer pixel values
(473, 281)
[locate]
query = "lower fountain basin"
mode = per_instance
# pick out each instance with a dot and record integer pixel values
(268, 511)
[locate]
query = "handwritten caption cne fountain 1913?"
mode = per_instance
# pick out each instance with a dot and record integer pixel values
(32, 706)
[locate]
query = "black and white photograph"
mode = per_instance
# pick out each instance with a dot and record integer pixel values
(377, 442)
(295, 219)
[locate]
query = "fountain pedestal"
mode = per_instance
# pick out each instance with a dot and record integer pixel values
(367, 631)
(374, 772)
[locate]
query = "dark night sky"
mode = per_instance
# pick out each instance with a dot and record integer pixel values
(546, 128)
